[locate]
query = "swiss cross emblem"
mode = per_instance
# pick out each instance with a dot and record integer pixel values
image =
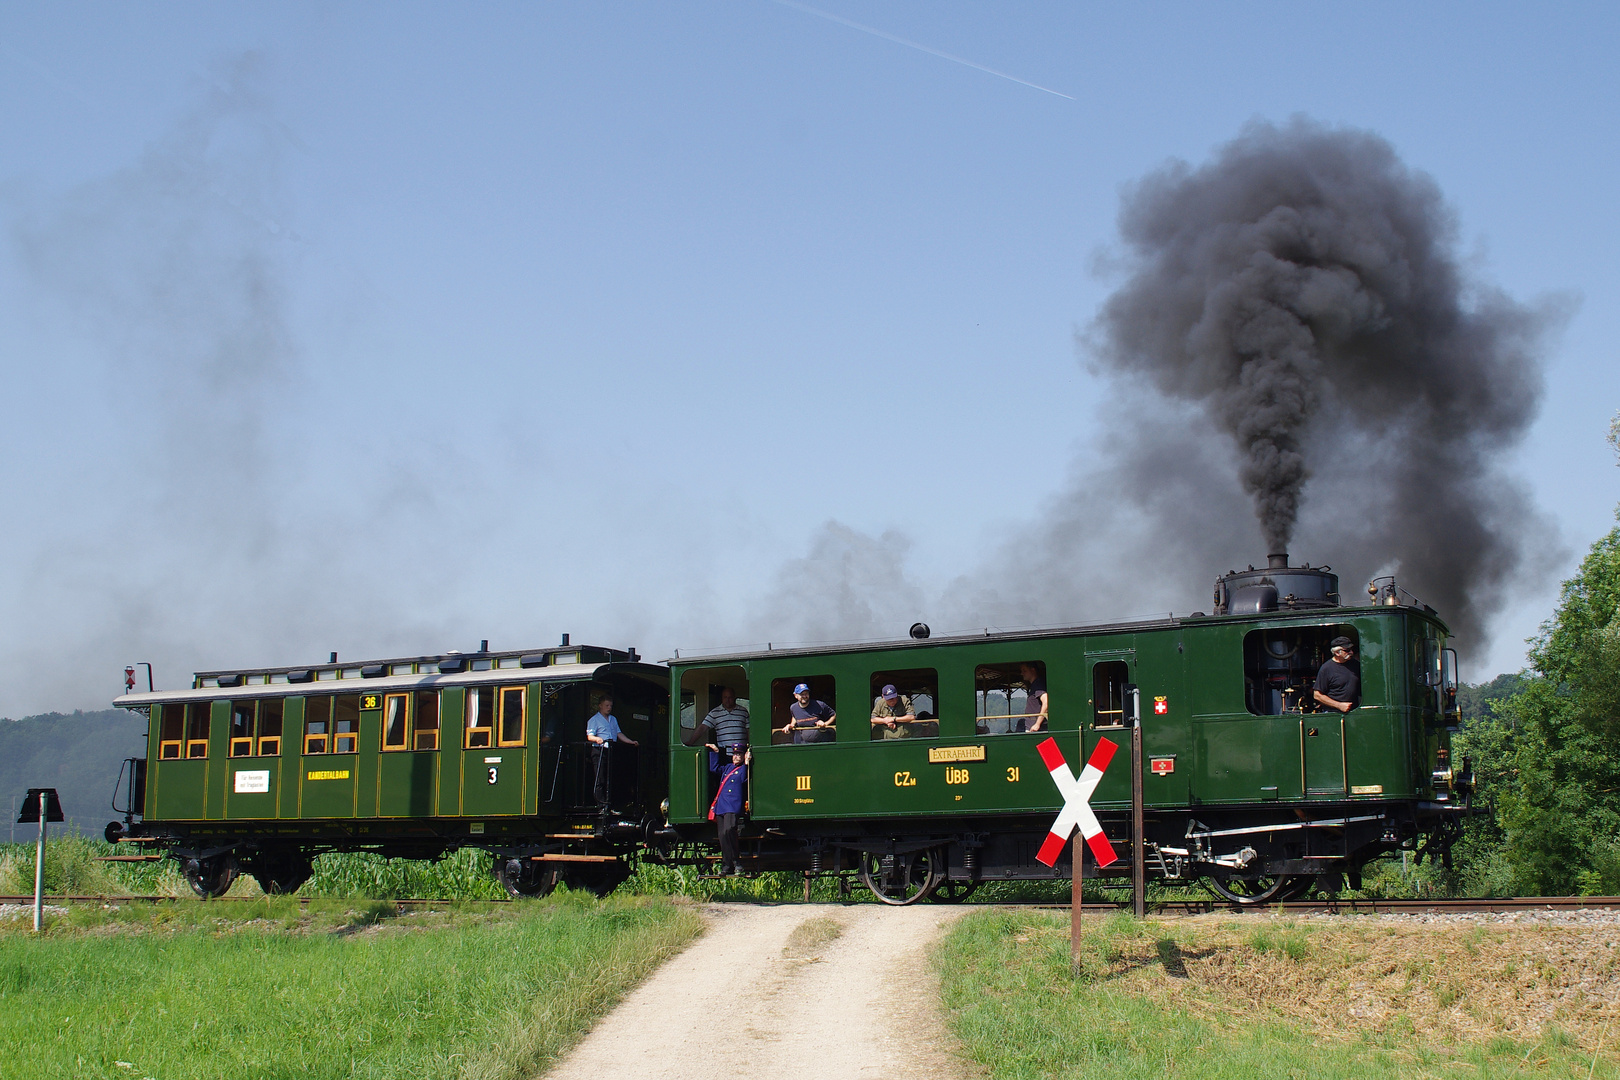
(1162, 766)
(1160, 706)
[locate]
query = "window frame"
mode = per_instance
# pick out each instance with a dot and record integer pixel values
(349, 735)
(502, 697)
(325, 720)
(402, 700)
(473, 717)
(784, 686)
(1013, 683)
(907, 676)
(178, 742)
(418, 729)
(197, 732)
(1097, 712)
(267, 745)
(242, 745)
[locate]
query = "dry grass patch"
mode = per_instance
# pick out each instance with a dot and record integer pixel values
(810, 937)
(1442, 982)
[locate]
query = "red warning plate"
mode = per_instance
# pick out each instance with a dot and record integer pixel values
(1162, 765)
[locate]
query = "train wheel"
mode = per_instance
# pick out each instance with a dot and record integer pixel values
(209, 878)
(524, 877)
(902, 879)
(952, 891)
(1254, 891)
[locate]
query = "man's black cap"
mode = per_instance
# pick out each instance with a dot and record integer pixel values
(735, 748)
(1341, 643)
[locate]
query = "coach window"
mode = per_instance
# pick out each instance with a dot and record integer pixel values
(916, 690)
(425, 722)
(396, 722)
(800, 725)
(480, 717)
(1010, 698)
(510, 730)
(1280, 666)
(346, 724)
(702, 711)
(317, 724)
(270, 715)
(198, 714)
(242, 725)
(171, 730)
(1110, 680)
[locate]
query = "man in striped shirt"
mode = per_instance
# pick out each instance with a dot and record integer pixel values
(727, 722)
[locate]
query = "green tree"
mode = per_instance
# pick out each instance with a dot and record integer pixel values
(1551, 753)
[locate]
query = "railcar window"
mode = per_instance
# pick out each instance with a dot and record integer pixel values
(480, 717)
(243, 714)
(917, 690)
(270, 715)
(703, 717)
(198, 714)
(511, 726)
(1109, 682)
(425, 726)
(812, 722)
(396, 721)
(317, 724)
(1010, 698)
(346, 724)
(171, 730)
(1280, 666)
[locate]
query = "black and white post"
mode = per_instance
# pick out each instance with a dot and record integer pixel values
(39, 864)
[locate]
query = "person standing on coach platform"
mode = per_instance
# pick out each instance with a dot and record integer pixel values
(602, 731)
(1338, 682)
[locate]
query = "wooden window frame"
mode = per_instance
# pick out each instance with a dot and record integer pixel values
(1013, 682)
(404, 742)
(472, 714)
(325, 734)
(419, 732)
(165, 744)
(523, 716)
(350, 736)
(242, 745)
(197, 749)
(270, 745)
(1101, 669)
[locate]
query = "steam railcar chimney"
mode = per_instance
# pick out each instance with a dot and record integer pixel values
(1278, 561)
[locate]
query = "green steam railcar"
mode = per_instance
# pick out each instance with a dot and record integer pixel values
(1248, 782)
(261, 770)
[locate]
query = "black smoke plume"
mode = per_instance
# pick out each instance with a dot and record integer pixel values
(1303, 290)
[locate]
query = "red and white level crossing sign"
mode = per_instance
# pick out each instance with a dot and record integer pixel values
(1076, 802)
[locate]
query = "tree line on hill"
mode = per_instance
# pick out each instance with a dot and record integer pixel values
(79, 754)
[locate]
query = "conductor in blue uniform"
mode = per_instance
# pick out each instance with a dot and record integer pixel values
(730, 802)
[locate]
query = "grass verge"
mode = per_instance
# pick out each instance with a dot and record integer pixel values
(343, 989)
(1210, 1000)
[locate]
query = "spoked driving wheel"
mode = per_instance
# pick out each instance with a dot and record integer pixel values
(209, 877)
(902, 879)
(524, 877)
(1257, 889)
(953, 891)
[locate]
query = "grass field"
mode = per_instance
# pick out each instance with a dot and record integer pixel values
(1212, 999)
(342, 989)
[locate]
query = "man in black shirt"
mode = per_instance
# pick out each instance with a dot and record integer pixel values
(1338, 682)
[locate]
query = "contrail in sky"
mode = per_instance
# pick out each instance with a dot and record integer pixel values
(875, 32)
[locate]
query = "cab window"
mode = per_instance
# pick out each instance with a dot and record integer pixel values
(916, 690)
(1011, 698)
(702, 691)
(802, 724)
(1280, 666)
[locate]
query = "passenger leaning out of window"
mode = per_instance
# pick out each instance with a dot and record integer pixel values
(1338, 682)
(893, 713)
(602, 731)
(809, 721)
(1034, 718)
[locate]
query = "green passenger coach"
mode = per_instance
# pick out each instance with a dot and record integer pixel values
(1250, 782)
(261, 770)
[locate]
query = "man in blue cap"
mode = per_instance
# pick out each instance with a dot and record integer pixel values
(810, 721)
(730, 802)
(892, 714)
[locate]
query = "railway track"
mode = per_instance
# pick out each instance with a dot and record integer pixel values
(1164, 907)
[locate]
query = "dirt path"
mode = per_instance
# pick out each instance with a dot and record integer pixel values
(736, 1004)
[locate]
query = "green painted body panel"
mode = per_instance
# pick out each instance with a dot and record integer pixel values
(407, 783)
(242, 805)
(177, 790)
(452, 716)
(1219, 752)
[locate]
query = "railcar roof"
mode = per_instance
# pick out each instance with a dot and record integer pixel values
(1035, 633)
(386, 683)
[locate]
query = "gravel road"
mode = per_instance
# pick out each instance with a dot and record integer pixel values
(736, 1004)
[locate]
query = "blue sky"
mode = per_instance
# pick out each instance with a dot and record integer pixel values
(385, 329)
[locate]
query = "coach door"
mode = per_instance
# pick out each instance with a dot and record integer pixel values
(494, 764)
(1110, 681)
